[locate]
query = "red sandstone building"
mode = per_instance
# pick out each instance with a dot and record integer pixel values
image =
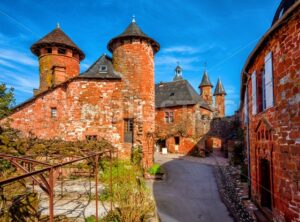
(113, 99)
(183, 117)
(270, 101)
(116, 98)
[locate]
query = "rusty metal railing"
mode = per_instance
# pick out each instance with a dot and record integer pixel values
(27, 166)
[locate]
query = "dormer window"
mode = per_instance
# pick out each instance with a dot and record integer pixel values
(103, 68)
(61, 51)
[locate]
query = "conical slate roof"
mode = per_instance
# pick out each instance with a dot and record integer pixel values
(219, 90)
(56, 37)
(205, 80)
(133, 30)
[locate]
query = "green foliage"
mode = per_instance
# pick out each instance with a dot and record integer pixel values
(131, 198)
(90, 219)
(137, 155)
(6, 100)
(155, 169)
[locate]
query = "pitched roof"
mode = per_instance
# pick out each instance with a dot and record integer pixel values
(56, 37)
(205, 80)
(133, 30)
(177, 93)
(101, 69)
(219, 90)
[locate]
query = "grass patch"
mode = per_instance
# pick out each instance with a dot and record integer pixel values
(155, 169)
(132, 200)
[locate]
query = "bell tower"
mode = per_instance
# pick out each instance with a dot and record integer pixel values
(59, 59)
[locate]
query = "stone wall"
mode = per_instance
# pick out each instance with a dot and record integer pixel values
(275, 132)
(134, 59)
(83, 107)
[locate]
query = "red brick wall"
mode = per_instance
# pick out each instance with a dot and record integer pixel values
(135, 60)
(279, 126)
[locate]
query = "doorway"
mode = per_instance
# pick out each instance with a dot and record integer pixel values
(266, 196)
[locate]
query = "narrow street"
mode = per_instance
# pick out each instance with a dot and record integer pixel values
(189, 192)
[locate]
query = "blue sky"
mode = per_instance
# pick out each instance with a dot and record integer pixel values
(221, 33)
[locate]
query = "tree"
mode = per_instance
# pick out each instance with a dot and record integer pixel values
(7, 100)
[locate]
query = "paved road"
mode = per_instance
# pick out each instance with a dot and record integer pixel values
(189, 193)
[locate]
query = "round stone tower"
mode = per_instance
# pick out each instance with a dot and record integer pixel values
(220, 98)
(59, 59)
(206, 88)
(133, 57)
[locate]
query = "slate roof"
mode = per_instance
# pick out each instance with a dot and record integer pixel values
(133, 30)
(177, 93)
(205, 80)
(219, 90)
(95, 71)
(282, 9)
(56, 37)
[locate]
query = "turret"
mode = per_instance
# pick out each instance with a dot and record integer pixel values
(133, 57)
(59, 59)
(206, 88)
(178, 73)
(220, 98)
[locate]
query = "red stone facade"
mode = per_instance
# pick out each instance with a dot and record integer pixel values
(273, 133)
(70, 106)
(176, 134)
(56, 68)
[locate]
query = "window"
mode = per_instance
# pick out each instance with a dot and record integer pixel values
(259, 90)
(169, 117)
(49, 50)
(253, 81)
(128, 130)
(172, 94)
(262, 87)
(103, 68)
(269, 90)
(91, 137)
(53, 112)
(177, 140)
(61, 51)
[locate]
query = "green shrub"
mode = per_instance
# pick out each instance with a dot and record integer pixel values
(132, 200)
(155, 169)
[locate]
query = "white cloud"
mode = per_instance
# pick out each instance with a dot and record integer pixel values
(180, 49)
(17, 56)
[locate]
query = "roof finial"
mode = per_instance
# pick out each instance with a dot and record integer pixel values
(57, 25)
(205, 64)
(133, 18)
(178, 63)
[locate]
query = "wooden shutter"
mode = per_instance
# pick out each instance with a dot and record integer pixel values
(269, 80)
(254, 105)
(246, 106)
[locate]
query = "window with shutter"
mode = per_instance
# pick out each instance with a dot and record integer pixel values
(269, 80)
(253, 80)
(246, 106)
